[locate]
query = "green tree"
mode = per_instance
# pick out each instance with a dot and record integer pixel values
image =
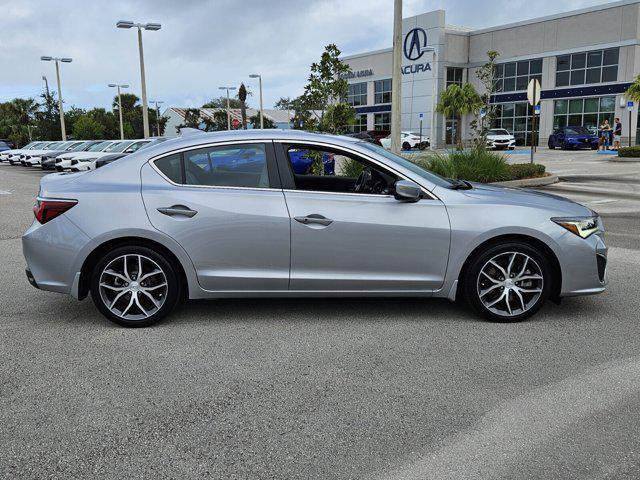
(242, 96)
(338, 117)
(633, 92)
(221, 102)
(482, 123)
(86, 128)
(326, 86)
(47, 119)
(457, 101)
(217, 122)
(191, 119)
(255, 121)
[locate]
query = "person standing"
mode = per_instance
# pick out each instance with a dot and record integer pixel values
(617, 134)
(605, 130)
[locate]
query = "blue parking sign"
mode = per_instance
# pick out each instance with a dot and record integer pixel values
(629, 104)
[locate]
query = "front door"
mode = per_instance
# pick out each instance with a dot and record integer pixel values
(224, 205)
(349, 234)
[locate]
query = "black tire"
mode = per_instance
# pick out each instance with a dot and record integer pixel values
(551, 145)
(173, 285)
(406, 146)
(470, 280)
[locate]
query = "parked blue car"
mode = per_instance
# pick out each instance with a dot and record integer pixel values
(574, 138)
(301, 162)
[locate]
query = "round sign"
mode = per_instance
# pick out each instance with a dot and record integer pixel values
(235, 123)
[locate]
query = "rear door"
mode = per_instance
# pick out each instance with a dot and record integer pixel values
(224, 205)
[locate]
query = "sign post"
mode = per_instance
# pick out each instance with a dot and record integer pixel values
(533, 95)
(420, 116)
(630, 108)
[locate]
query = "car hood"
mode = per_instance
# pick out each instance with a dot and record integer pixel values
(500, 137)
(582, 136)
(526, 197)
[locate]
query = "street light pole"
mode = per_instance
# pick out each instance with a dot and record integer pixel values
(118, 86)
(140, 27)
(259, 77)
(56, 60)
(228, 110)
(396, 79)
(157, 104)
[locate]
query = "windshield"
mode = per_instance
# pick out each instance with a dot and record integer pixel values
(79, 147)
(577, 131)
(63, 145)
(498, 131)
(418, 170)
(98, 147)
(117, 147)
(51, 146)
(31, 146)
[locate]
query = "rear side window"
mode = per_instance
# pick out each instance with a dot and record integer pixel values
(227, 166)
(171, 167)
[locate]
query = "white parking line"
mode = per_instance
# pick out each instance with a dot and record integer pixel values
(2, 192)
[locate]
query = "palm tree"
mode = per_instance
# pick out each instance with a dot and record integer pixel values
(242, 96)
(457, 101)
(633, 92)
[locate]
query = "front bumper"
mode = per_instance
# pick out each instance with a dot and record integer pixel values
(501, 144)
(584, 265)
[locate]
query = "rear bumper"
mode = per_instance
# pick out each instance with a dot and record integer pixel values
(51, 251)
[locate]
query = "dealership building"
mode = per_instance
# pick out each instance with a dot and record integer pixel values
(584, 59)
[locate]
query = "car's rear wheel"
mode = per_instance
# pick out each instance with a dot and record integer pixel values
(406, 146)
(508, 282)
(134, 286)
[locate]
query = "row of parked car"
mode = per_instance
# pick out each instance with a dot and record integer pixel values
(74, 155)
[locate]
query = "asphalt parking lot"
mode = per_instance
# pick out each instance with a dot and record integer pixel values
(339, 388)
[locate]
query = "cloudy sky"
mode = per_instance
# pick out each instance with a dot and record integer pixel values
(204, 44)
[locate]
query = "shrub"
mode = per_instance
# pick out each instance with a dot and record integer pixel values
(526, 170)
(477, 165)
(629, 151)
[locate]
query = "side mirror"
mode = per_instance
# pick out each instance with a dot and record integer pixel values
(407, 191)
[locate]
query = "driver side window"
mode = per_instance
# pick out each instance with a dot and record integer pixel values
(319, 170)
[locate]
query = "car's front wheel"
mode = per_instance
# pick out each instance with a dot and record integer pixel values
(134, 286)
(508, 282)
(406, 146)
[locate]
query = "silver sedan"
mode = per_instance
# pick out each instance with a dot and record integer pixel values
(269, 213)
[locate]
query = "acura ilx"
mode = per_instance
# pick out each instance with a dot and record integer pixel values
(226, 214)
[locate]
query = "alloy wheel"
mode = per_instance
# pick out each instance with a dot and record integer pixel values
(510, 284)
(133, 287)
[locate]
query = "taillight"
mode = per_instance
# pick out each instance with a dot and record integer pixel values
(46, 210)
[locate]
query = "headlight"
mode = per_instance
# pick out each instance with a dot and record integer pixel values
(581, 226)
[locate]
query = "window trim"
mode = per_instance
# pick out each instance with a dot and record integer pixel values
(272, 168)
(288, 182)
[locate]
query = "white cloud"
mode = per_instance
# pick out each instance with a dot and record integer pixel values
(207, 43)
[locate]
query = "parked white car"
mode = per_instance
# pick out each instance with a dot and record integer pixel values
(499, 138)
(408, 141)
(89, 163)
(4, 156)
(27, 157)
(63, 162)
(34, 159)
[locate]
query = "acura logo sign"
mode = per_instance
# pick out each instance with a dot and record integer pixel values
(414, 42)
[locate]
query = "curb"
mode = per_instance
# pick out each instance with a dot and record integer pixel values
(625, 159)
(568, 188)
(530, 182)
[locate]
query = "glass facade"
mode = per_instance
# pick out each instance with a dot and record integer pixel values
(515, 76)
(382, 91)
(454, 76)
(357, 94)
(597, 66)
(382, 121)
(360, 124)
(516, 118)
(587, 112)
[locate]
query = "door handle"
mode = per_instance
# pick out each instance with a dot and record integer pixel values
(177, 210)
(314, 218)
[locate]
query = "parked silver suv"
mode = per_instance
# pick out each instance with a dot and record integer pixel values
(254, 214)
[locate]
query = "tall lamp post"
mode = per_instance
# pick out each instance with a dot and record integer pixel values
(228, 111)
(140, 27)
(396, 80)
(434, 94)
(259, 77)
(57, 60)
(119, 86)
(157, 104)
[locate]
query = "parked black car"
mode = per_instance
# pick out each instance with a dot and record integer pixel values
(573, 137)
(364, 136)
